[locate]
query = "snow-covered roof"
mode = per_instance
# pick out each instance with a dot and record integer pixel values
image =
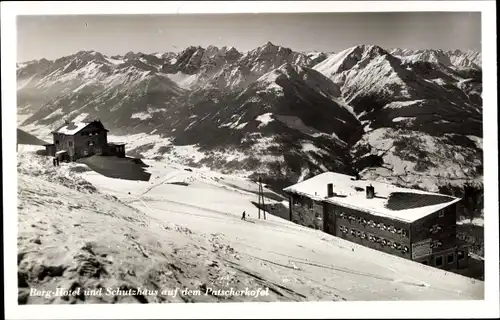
(78, 124)
(389, 200)
(61, 152)
(72, 128)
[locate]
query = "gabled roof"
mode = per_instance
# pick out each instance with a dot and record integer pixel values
(72, 128)
(407, 205)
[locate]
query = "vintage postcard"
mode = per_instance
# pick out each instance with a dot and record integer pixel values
(267, 159)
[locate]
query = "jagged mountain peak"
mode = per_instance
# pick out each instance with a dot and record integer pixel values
(197, 59)
(343, 61)
(286, 70)
(289, 75)
(289, 68)
(91, 55)
(270, 47)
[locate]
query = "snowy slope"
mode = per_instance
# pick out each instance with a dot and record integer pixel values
(151, 235)
(404, 161)
(26, 138)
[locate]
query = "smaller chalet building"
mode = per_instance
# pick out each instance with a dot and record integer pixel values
(412, 224)
(76, 140)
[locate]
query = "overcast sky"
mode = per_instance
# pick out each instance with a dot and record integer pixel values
(52, 37)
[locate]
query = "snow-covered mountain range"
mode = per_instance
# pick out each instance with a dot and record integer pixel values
(413, 117)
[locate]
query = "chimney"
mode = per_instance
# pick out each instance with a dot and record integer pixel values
(370, 192)
(329, 190)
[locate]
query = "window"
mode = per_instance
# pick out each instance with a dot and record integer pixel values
(57, 141)
(436, 243)
(460, 255)
(310, 203)
(405, 249)
(70, 143)
(438, 261)
(435, 228)
(404, 233)
(441, 213)
(450, 258)
(425, 262)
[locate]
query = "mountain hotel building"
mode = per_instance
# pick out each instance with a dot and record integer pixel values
(412, 224)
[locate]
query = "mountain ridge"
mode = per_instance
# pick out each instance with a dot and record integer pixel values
(301, 112)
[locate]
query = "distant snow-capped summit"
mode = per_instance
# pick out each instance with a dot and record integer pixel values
(449, 58)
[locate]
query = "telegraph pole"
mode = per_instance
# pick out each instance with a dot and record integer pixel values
(261, 195)
(258, 207)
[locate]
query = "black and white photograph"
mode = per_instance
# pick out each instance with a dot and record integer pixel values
(234, 155)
